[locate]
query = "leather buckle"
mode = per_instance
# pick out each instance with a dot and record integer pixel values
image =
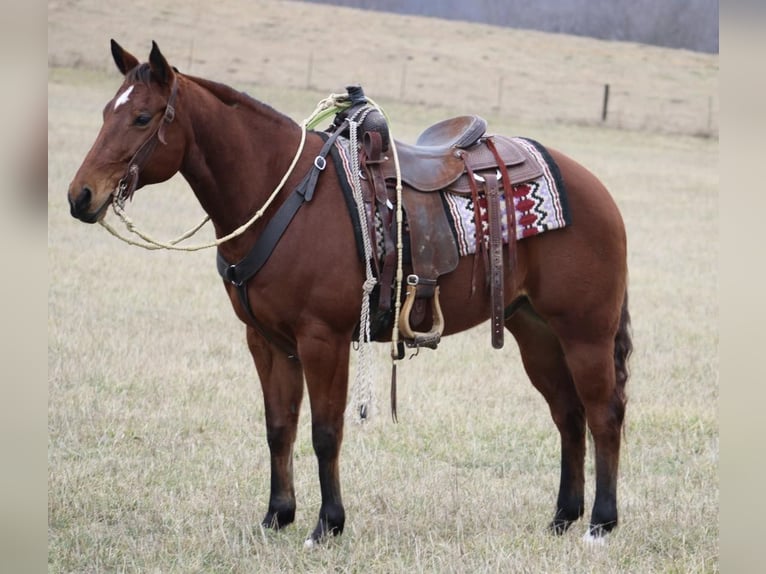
(231, 275)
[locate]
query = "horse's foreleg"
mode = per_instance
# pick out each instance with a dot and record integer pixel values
(544, 363)
(282, 383)
(325, 355)
(593, 369)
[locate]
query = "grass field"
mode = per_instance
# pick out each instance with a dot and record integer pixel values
(157, 454)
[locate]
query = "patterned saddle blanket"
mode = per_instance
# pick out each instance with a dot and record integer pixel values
(541, 204)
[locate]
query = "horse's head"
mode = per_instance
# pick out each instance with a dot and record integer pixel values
(126, 154)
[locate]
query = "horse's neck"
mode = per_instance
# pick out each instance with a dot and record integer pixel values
(239, 150)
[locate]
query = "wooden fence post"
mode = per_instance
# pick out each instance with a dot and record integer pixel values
(606, 103)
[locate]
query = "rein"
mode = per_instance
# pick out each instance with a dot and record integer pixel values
(324, 109)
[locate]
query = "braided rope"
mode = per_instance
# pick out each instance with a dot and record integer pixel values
(361, 395)
(361, 403)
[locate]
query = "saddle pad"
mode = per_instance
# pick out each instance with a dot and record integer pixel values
(541, 205)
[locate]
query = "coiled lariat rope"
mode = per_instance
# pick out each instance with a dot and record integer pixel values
(361, 402)
(359, 407)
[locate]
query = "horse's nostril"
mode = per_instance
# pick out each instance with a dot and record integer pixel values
(79, 205)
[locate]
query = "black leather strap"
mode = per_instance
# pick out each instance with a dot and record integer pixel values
(238, 274)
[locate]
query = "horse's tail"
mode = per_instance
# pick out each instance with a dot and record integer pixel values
(623, 347)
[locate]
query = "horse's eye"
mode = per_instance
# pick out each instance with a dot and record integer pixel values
(142, 120)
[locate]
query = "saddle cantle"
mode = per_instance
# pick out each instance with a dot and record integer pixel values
(460, 132)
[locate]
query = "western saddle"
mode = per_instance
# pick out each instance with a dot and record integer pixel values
(456, 156)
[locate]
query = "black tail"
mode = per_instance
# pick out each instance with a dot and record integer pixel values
(623, 347)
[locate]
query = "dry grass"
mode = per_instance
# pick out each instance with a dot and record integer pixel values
(157, 455)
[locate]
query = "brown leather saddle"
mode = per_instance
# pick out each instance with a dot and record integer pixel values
(437, 160)
(454, 155)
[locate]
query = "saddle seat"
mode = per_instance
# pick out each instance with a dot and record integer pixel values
(437, 159)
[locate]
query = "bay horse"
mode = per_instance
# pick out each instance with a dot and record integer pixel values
(566, 298)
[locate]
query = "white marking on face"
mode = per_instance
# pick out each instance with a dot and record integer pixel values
(123, 97)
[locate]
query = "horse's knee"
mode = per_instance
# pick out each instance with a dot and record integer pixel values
(605, 418)
(617, 407)
(326, 440)
(280, 437)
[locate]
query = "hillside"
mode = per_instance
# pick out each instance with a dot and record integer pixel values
(524, 76)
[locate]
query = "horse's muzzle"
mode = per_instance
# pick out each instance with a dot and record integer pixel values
(79, 206)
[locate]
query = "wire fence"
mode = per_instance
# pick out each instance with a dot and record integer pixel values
(682, 100)
(665, 105)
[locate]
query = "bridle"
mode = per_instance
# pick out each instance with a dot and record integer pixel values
(128, 183)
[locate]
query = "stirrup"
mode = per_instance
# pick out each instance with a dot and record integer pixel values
(430, 338)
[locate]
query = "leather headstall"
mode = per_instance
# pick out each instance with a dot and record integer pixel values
(128, 183)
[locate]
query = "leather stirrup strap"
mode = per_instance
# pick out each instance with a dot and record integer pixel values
(495, 260)
(510, 204)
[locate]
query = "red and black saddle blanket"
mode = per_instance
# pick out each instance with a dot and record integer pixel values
(541, 205)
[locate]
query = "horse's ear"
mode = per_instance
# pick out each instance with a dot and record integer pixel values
(161, 70)
(125, 61)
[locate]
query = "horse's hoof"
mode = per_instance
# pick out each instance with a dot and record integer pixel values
(315, 541)
(278, 519)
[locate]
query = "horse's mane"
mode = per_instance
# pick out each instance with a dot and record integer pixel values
(235, 98)
(227, 95)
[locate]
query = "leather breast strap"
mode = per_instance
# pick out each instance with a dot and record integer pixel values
(238, 274)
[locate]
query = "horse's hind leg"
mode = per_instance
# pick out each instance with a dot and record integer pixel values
(544, 363)
(599, 373)
(282, 384)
